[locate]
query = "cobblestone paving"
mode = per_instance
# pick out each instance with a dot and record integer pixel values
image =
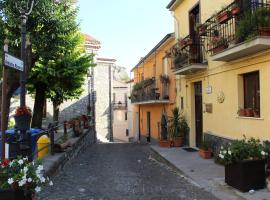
(120, 172)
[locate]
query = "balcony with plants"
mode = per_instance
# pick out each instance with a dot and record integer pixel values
(188, 56)
(150, 91)
(238, 30)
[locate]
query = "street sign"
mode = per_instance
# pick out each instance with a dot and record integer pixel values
(13, 62)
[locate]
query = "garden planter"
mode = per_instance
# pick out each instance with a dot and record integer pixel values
(264, 31)
(14, 195)
(23, 122)
(246, 175)
(58, 148)
(223, 17)
(236, 10)
(206, 154)
(219, 48)
(165, 143)
(249, 112)
(178, 142)
(241, 112)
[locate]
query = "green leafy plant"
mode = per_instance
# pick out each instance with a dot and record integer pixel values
(178, 125)
(240, 150)
(251, 21)
(206, 145)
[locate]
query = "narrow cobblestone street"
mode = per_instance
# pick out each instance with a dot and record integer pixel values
(120, 171)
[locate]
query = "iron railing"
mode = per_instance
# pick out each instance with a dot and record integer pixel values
(154, 90)
(220, 31)
(189, 50)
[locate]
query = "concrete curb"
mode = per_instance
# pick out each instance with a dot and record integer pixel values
(55, 163)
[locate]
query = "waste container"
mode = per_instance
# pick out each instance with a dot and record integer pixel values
(42, 144)
(12, 138)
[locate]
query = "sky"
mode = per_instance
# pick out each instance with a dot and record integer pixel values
(127, 29)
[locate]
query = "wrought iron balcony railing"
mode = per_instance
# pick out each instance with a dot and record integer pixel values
(236, 23)
(188, 51)
(150, 90)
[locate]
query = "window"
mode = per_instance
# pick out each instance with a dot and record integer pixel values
(252, 92)
(125, 115)
(165, 66)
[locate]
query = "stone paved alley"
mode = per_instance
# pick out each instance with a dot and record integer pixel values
(120, 171)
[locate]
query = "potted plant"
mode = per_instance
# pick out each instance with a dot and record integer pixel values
(164, 140)
(205, 150)
(235, 9)
(23, 117)
(61, 145)
(241, 112)
(223, 16)
(178, 127)
(219, 44)
(21, 179)
(244, 164)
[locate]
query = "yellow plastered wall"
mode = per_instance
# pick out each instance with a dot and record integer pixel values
(153, 67)
(225, 77)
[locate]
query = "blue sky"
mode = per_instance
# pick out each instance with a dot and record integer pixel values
(127, 29)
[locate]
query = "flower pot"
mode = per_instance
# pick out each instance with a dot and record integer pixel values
(235, 10)
(264, 31)
(202, 30)
(23, 122)
(223, 17)
(164, 143)
(241, 112)
(249, 112)
(206, 154)
(178, 142)
(246, 175)
(10, 194)
(219, 48)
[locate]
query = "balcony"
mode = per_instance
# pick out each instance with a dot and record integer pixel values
(188, 56)
(241, 29)
(120, 105)
(151, 91)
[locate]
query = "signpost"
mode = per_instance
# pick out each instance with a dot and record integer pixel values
(13, 62)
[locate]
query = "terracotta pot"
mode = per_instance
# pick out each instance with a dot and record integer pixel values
(178, 142)
(236, 10)
(264, 31)
(206, 154)
(241, 112)
(165, 143)
(249, 112)
(223, 17)
(219, 48)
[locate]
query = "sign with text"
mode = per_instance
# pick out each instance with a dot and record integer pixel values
(13, 62)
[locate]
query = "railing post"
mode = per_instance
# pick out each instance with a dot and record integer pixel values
(51, 132)
(65, 129)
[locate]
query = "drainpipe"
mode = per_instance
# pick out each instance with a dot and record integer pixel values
(110, 104)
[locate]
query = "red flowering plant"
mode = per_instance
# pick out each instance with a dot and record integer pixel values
(20, 174)
(23, 111)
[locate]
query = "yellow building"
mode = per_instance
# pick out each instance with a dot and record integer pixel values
(154, 90)
(222, 61)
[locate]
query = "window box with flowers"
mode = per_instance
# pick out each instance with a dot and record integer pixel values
(22, 118)
(244, 164)
(21, 179)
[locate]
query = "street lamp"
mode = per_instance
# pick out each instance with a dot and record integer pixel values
(25, 9)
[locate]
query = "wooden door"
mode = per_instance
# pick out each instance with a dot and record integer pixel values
(148, 127)
(198, 112)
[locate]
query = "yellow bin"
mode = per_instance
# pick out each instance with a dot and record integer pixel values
(41, 143)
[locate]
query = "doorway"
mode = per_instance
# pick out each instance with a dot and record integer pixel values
(148, 127)
(198, 112)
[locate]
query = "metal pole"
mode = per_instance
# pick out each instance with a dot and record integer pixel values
(4, 103)
(23, 53)
(110, 103)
